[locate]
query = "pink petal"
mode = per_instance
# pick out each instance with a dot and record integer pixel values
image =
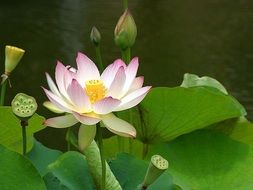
(133, 98)
(87, 70)
(86, 119)
(59, 77)
(57, 101)
(105, 105)
(79, 97)
(110, 72)
(61, 121)
(52, 85)
(118, 126)
(68, 76)
(117, 85)
(137, 83)
(86, 135)
(131, 72)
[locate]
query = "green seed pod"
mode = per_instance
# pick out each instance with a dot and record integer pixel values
(94, 163)
(95, 36)
(156, 167)
(23, 106)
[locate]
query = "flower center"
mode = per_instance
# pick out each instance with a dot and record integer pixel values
(95, 89)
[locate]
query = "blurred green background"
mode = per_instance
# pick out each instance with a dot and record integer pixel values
(210, 37)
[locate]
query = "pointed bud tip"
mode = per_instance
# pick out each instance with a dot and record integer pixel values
(95, 36)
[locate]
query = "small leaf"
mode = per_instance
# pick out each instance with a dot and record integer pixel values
(11, 131)
(191, 80)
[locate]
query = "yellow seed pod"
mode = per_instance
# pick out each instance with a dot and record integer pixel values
(12, 57)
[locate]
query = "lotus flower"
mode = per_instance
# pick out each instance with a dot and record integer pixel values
(88, 97)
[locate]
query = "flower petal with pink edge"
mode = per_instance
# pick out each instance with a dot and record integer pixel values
(52, 85)
(116, 88)
(68, 76)
(110, 72)
(79, 97)
(133, 98)
(59, 78)
(57, 101)
(86, 119)
(87, 70)
(106, 105)
(61, 121)
(131, 72)
(118, 126)
(137, 83)
(86, 135)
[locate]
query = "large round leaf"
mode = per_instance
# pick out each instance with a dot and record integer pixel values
(167, 113)
(17, 172)
(42, 156)
(239, 129)
(11, 132)
(70, 171)
(209, 160)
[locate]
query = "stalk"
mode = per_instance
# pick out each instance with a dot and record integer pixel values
(3, 92)
(94, 163)
(101, 148)
(23, 126)
(99, 58)
(125, 4)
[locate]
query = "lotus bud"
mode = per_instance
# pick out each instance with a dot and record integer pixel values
(95, 36)
(12, 57)
(125, 31)
(23, 106)
(156, 167)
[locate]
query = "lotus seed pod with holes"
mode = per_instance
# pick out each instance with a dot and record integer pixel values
(23, 106)
(12, 57)
(156, 167)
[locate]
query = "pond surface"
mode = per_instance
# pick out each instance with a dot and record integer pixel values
(211, 37)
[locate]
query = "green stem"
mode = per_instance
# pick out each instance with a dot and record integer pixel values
(68, 139)
(99, 58)
(125, 4)
(3, 91)
(144, 150)
(101, 149)
(23, 125)
(126, 55)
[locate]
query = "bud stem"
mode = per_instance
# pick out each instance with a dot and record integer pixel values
(99, 58)
(101, 150)
(126, 55)
(125, 4)
(3, 91)
(23, 124)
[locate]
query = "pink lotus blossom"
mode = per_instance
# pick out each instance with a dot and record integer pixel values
(88, 97)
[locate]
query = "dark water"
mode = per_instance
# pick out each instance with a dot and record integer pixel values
(211, 37)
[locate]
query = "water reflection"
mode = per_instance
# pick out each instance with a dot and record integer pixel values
(212, 37)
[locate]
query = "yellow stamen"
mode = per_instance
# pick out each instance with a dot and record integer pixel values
(95, 89)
